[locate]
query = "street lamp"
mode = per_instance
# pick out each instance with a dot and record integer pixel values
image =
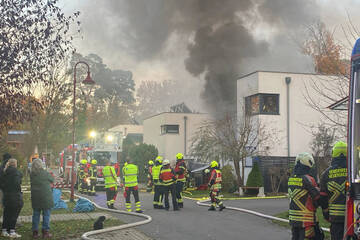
(88, 81)
(92, 135)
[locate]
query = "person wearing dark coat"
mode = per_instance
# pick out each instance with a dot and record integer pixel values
(41, 198)
(12, 199)
(6, 158)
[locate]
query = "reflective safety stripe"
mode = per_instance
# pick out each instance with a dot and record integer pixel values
(337, 209)
(138, 206)
(304, 214)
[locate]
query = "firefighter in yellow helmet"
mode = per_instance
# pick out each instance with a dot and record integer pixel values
(332, 186)
(82, 177)
(180, 171)
(111, 183)
(158, 191)
(130, 175)
(93, 177)
(304, 195)
(215, 186)
(149, 176)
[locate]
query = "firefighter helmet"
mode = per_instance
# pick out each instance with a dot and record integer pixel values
(83, 161)
(151, 162)
(166, 162)
(214, 164)
(93, 161)
(305, 159)
(179, 156)
(207, 171)
(159, 159)
(338, 149)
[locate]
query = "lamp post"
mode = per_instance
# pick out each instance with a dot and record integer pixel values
(88, 81)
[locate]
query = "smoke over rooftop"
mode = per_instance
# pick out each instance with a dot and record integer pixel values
(223, 39)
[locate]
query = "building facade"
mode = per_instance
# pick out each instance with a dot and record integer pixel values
(279, 103)
(172, 132)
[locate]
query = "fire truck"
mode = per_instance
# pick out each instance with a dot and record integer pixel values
(352, 219)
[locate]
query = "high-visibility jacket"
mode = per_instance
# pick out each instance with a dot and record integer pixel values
(93, 171)
(130, 172)
(167, 176)
(82, 171)
(180, 170)
(156, 173)
(303, 194)
(332, 185)
(215, 180)
(109, 176)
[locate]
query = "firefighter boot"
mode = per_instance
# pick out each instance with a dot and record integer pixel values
(222, 207)
(112, 206)
(181, 205)
(212, 208)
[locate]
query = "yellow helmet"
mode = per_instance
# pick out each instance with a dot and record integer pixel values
(93, 161)
(338, 149)
(159, 159)
(83, 161)
(214, 164)
(179, 156)
(126, 163)
(151, 162)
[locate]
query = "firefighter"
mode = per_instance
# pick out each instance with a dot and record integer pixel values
(93, 177)
(149, 176)
(110, 184)
(332, 187)
(82, 176)
(180, 171)
(168, 179)
(304, 195)
(158, 193)
(130, 175)
(215, 186)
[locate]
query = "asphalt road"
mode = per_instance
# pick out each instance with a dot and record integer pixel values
(197, 223)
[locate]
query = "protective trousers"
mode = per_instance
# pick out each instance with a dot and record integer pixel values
(92, 186)
(214, 196)
(301, 233)
(337, 231)
(158, 195)
(179, 189)
(127, 194)
(111, 193)
(172, 189)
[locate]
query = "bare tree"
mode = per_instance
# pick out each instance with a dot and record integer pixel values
(230, 139)
(329, 57)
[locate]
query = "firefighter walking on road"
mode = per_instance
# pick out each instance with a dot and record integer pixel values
(110, 184)
(158, 191)
(304, 195)
(332, 186)
(149, 184)
(168, 179)
(180, 171)
(93, 177)
(215, 186)
(130, 174)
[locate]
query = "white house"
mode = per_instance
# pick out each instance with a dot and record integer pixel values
(278, 102)
(171, 132)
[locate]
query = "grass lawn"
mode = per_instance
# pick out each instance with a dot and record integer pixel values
(205, 193)
(27, 209)
(322, 221)
(66, 229)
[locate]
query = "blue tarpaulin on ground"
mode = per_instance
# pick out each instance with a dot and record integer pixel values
(83, 205)
(58, 202)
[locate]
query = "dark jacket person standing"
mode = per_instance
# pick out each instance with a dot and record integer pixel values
(41, 198)
(332, 186)
(13, 199)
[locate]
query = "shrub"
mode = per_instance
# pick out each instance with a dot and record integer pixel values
(228, 179)
(140, 155)
(255, 179)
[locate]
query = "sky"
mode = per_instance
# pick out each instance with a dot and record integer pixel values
(204, 43)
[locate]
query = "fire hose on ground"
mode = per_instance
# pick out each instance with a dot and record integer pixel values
(202, 203)
(86, 236)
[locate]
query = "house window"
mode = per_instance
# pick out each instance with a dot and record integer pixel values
(169, 129)
(262, 103)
